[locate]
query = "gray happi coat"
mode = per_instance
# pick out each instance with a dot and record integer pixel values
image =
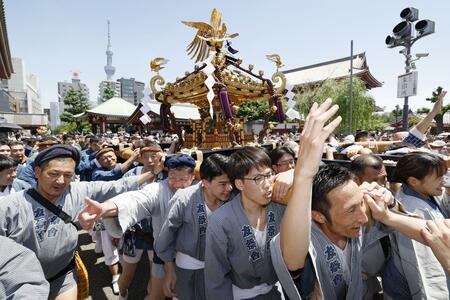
(185, 227)
(30, 224)
(154, 200)
(21, 275)
(185, 231)
(425, 276)
(327, 264)
(232, 254)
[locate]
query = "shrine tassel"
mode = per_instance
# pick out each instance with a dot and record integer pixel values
(223, 96)
(164, 118)
(280, 112)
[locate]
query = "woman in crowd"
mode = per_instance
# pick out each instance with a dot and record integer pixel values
(413, 272)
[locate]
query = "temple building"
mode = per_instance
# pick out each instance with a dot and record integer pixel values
(314, 75)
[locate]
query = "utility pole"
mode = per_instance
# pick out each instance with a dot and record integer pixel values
(350, 114)
(407, 69)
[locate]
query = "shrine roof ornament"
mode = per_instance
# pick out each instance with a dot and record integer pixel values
(208, 36)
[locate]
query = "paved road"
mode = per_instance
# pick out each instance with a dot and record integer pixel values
(100, 277)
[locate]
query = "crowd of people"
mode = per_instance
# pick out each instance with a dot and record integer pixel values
(314, 219)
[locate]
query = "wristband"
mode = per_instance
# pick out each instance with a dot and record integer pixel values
(393, 204)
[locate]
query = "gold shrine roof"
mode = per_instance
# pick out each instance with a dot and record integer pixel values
(192, 89)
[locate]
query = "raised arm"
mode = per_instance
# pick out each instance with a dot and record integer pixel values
(423, 125)
(127, 164)
(295, 232)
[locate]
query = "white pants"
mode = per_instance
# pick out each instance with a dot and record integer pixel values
(109, 250)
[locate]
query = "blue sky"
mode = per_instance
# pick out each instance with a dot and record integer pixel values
(57, 37)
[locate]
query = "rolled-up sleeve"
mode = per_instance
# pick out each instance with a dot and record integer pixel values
(102, 191)
(136, 205)
(415, 137)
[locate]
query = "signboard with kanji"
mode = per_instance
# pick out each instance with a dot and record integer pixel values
(407, 85)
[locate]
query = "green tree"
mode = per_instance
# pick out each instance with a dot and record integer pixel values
(439, 118)
(108, 93)
(75, 103)
(423, 110)
(65, 128)
(338, 90)
(253, 110)
(256, 110)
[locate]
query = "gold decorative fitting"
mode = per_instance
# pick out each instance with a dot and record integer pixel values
(157, 79)
(157, 64)
(276, 59)
(275, 79)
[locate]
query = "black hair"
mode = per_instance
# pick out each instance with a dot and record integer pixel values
(419, 165)
(328, 178)
(28, 140)
(246, 158)
(213, 166)
(4, 142)
(67, 136)
(15, 143)
(150, 143)
(360, 135)
(94, 139)
(6, 162)
(359, 164)
(46, 138)
(277, 153)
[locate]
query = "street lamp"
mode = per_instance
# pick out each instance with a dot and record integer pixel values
(402, 35)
